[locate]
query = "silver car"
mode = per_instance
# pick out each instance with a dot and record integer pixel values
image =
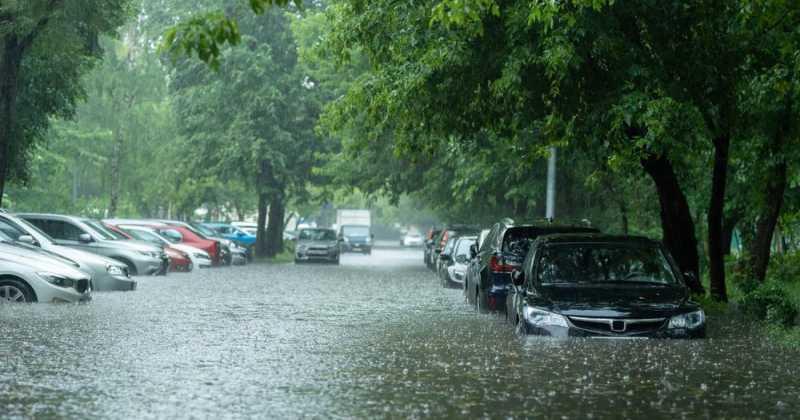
(30, 275)
(107, 274)
(317, 244)
(200, 258)
(141, 258)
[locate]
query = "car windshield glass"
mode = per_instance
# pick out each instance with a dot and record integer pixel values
(204, 230)
(463, 246)
(33, 227)
(317, 235)
(101, 230)
(355, 230)
(596, 263)
(144, 235)
(448, 247)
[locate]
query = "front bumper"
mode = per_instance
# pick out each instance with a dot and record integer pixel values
(356, 247)
(108, 282)
(49, 293)
(581, 332)
(149, 266)
(308, 255)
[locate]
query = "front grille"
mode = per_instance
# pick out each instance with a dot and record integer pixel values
(82, 285)
(620, 326)
(318, 249)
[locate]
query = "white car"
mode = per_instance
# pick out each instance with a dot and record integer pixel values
(200, 258)
(29, 274)
(411, 239)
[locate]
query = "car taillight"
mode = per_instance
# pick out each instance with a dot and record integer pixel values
(496, 266)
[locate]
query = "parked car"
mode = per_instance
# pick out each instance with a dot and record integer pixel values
(107, 274)
(179, 260)
(248, 227)
(236, 235)
(317, 244)
(445, 257)
(489, 273)
(444, 235)
(429, 246)
(226, 247)
(29, 274)
(592, 285)
(90, 235)
(411, 239)
(456, 260)
(197, 257)
(179, 234)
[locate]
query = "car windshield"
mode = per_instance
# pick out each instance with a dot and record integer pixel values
(601, 263)
(317, 235)
(462, 248)
(144, 235)
(198, 228)
(355, 230)
(101, 230)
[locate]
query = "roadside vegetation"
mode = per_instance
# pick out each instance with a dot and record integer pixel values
(672, 120)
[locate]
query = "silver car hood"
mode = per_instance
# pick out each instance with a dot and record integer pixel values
(83, 257)
(39, 261)
(132, 245)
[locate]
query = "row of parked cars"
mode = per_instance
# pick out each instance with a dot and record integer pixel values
(567, 280)
(60, 258)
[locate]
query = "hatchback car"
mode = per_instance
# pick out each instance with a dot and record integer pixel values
(29, 274)
(489, 273)
(317, 244)
(411, 239)
(456, 261)
(591, 285)
(90, 235)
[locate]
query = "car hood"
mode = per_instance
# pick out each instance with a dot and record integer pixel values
(83, 257)
(190, 250)
(39, 260)
(317, 243)
(639, 301)
(132, 245)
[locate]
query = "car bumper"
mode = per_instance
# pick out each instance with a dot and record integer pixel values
(351, 247)
(149, 266)
(305, 256)
(110, 283)
(496, 298)
(48, 293)
(576, 332)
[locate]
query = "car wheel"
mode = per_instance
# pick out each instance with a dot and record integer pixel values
(15, 291)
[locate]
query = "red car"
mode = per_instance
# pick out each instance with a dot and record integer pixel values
(178, 260)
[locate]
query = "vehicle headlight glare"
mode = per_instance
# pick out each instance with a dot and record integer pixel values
(537, 316)
(114, 270)
(690, 320)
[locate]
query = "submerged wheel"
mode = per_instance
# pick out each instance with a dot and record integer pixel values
(15, 291)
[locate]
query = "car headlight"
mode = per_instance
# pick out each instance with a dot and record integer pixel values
(541, 317)
(57, 279)
(368, 240)
(114, 270)
(301, 248)
(690, 320)
(149, 254)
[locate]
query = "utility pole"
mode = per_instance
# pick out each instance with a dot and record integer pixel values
(551, 185)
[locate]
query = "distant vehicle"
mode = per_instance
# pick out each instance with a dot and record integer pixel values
(235, 234)
(591, 285)
(27, 274)
(429, 246)
(444, 235)
(107, 274)
(489, 273)
(411, 239)
(248, 227)
(355, 230)
(90, 235)
(455, 262)
(317, 244)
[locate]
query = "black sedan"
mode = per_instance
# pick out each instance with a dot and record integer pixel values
(592, 285)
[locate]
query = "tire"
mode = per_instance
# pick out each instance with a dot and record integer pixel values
(15, 291)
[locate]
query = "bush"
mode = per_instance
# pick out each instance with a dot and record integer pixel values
(770, 302)
(785, 267)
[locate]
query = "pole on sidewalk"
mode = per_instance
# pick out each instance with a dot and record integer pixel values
(551, 185)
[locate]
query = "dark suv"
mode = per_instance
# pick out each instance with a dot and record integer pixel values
(489, 273)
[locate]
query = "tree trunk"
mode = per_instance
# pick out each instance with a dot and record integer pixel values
(9, 75)
(716, 254)
(761, 246)
(274, 245)
(676, 219)
(116, 166)
(261, 233)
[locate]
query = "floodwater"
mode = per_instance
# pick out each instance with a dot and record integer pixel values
(374, 337)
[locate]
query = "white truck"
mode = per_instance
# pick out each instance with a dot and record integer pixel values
(355, 229)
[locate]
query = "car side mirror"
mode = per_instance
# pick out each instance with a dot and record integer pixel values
(473, 250)
(84, 238)
(27, 239)
(517, 278)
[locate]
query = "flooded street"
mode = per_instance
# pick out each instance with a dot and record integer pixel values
(374, 337)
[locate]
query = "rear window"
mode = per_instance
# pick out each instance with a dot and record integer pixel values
(517, 240)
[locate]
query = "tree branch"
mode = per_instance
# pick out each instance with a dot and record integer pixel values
(28, 39)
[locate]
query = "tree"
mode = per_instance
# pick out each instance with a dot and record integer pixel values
(46, 46)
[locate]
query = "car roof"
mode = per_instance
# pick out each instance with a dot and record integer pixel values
(595, 238)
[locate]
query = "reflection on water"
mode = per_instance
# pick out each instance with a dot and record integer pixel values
(374, 337)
